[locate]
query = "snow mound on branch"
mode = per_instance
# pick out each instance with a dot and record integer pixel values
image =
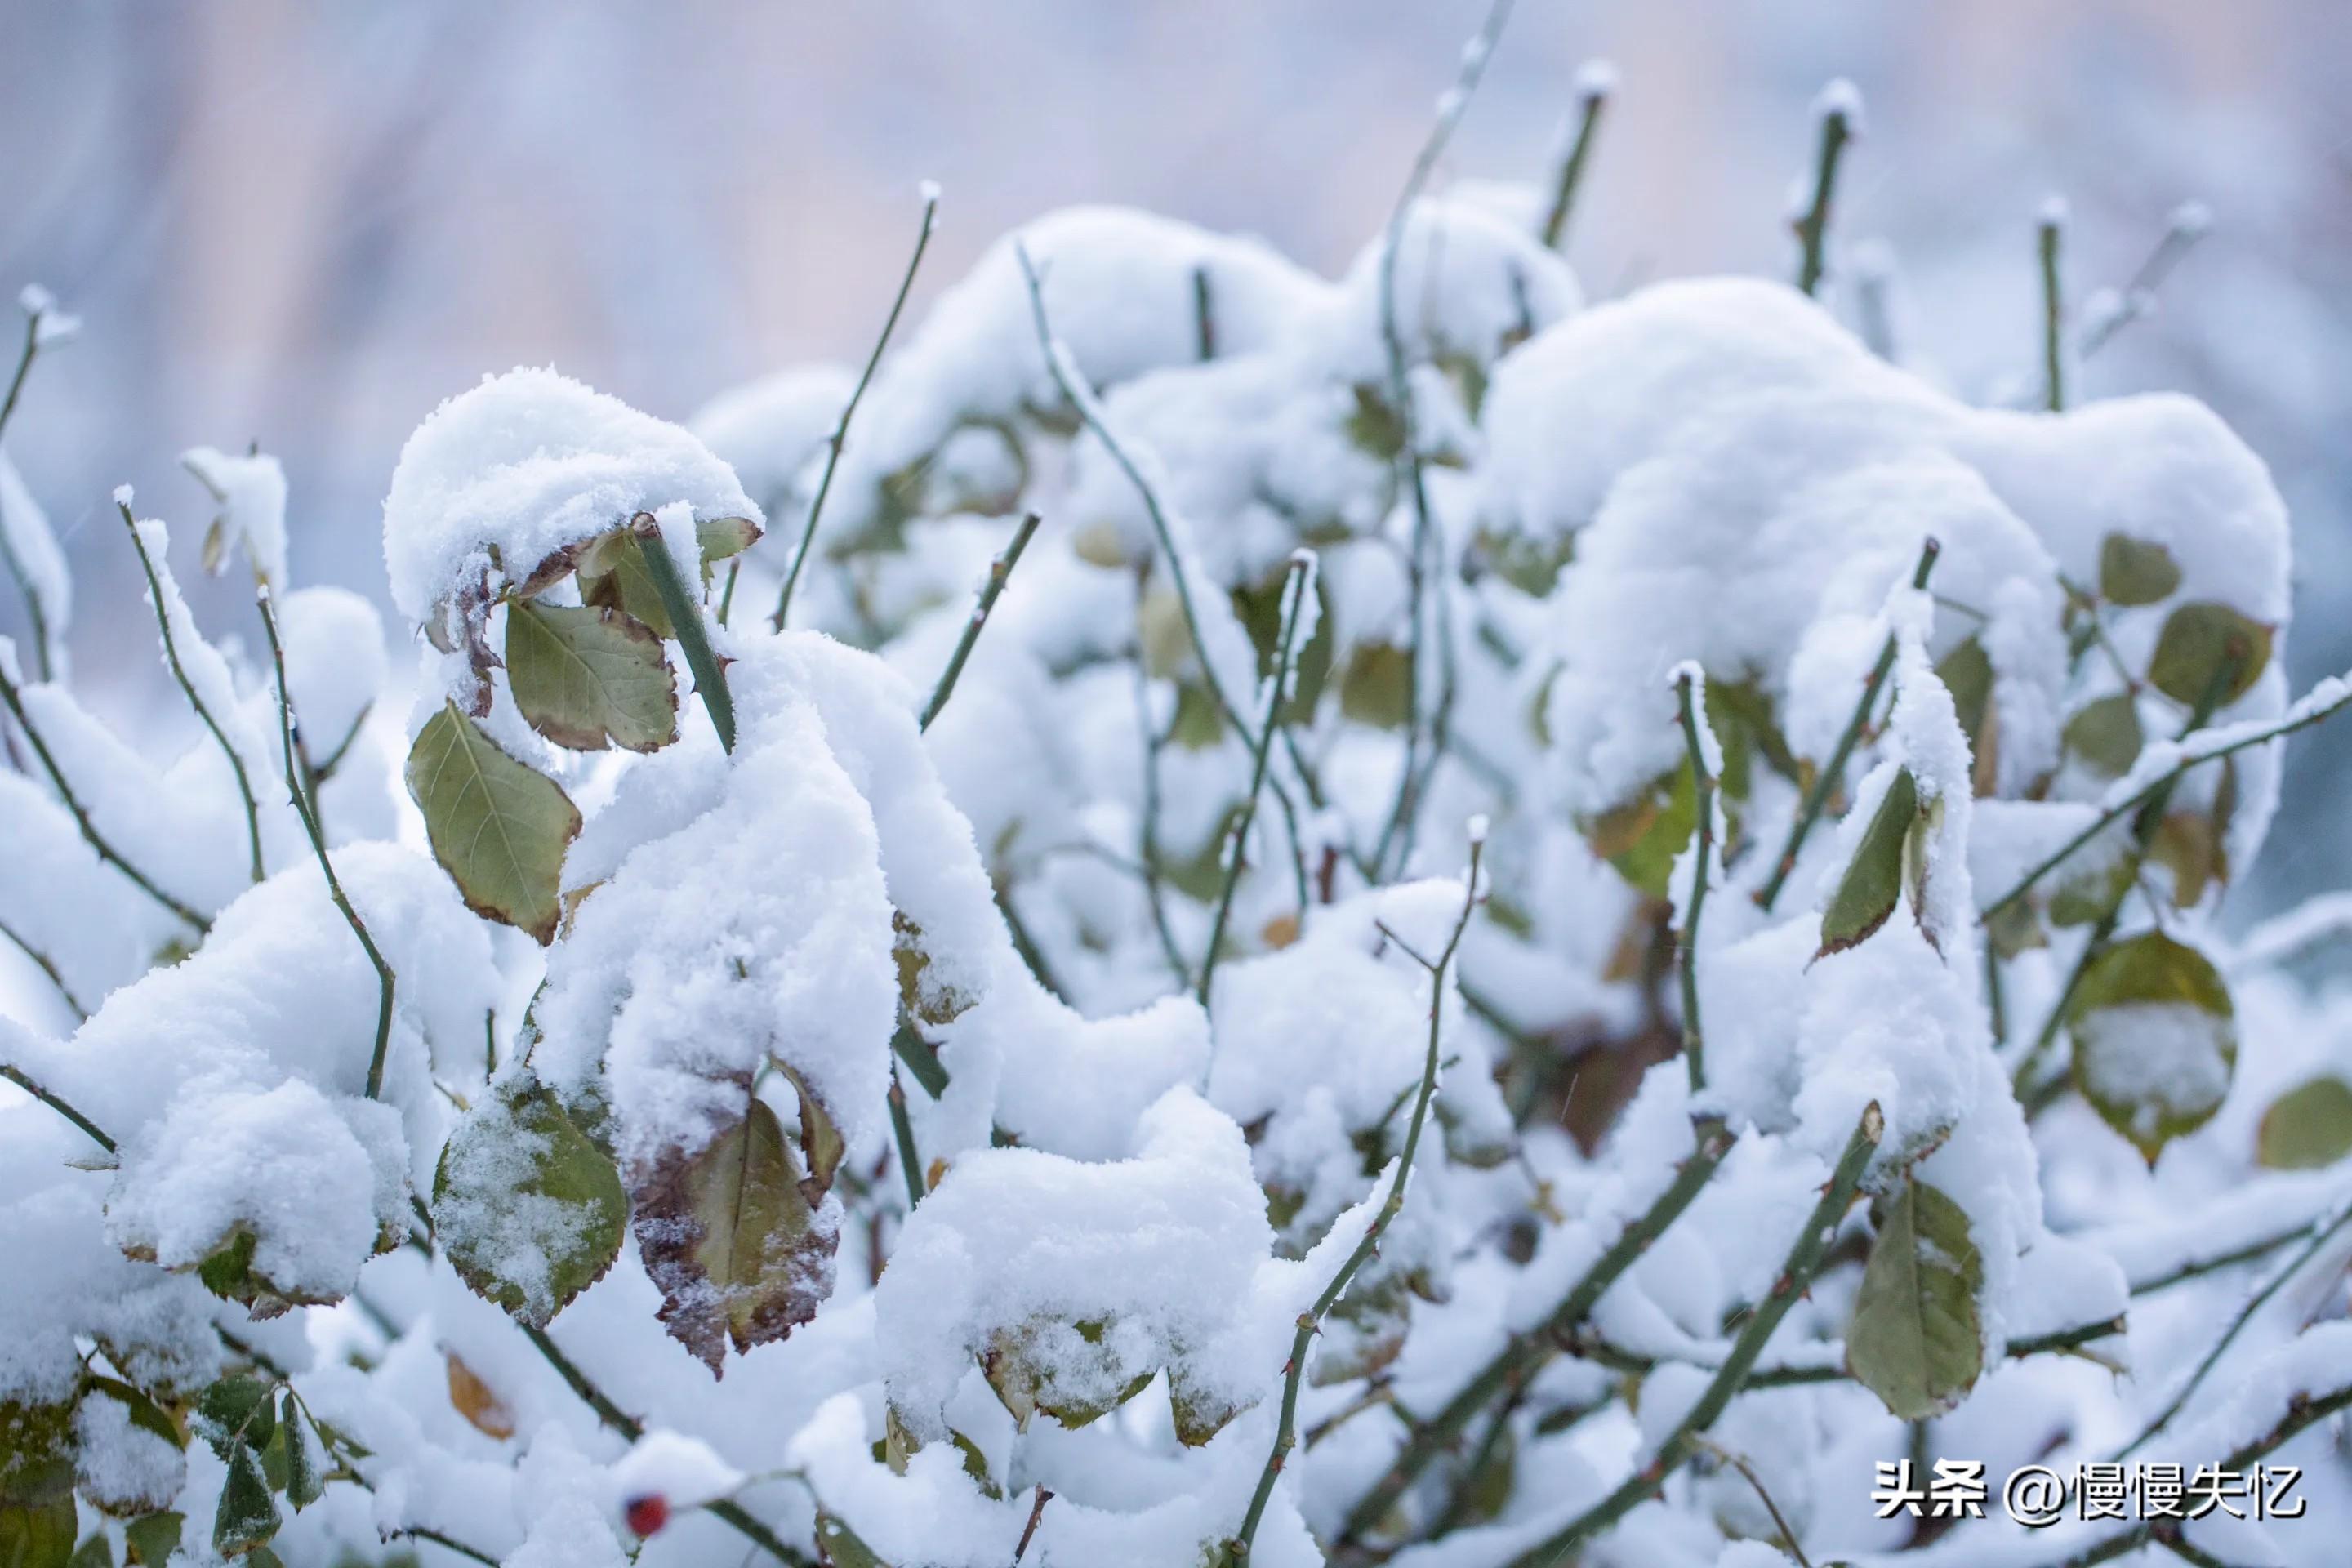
(251, 490)
(526, 464)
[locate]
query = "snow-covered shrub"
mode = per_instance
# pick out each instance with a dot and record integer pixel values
(1190, 1076)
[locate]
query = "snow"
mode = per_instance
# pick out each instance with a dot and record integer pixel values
(2164, 1059)
(251, 494)
(28, 549)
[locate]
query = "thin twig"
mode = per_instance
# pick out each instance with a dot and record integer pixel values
(2321, 1233)
(910, 1165)
(1592, 88)
(1294, 1370)
(1832, 777)
(2188, 225)
(1739, 1462)
(46, 965)
(1155, 891)
(302, 806)
(58, 1103)
(1691, 696)
(840, 431)
(998, 571)
(2053, 309)
(180, 673)
(1425, 538)
(1277, 691)
(1814, 224)
(106, 851)
(685, 612)
(1036, 1512)
(1796, 1274)
(36, 615)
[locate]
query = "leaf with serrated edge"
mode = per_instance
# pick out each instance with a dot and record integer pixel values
(530, 1212)
(247, 1516)
(305, 1482)
(2136, 571)
(498, 827)
(1915, 1340)
(730, 1239)
(2307, 1127)
(2155, 1039)
(590, 678)
(1873, 880)
(614, 575)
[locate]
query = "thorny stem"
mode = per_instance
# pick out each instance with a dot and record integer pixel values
(1602, 1353)
(2159, 786)
(14, 698)
(1425, 538)
(2321, 1233)
(1589, 103)
(2197, 1268)
(36, 617)
(1833, 777)
(58, 1103)
(1813, 227)
(2144, 829)
(303, 809)
(2053, 315)
(840, 431)
(998, 571)
(1693, 1041)
(1796, 1274)
(46, 965)
(1277, 690)
(1526, 1354)
(180, 673)
(685, 612)
(1294, 1370)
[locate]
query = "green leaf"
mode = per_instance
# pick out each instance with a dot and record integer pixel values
(2307, 1127)
(2106, 734)
(590, 678)
(613, 577)
(305, 1482)
(721, 537)
(822, 1145)
(1374, 426)
(498, 827)
(96, 1553)
(2196, 641)
(1641, 837)
(38, 1535)
(530, 1212)
(728, 1235)
(1915, 1340)
(1064, 1369)
(839, 1546)
(36, 1454)
(1967, 672)
(232, 1407)
(2155, 1039)
(1376, 688)
(1884, 864)
(2134, 571)
(686, 623)
(247, 1516)
(149, 1542)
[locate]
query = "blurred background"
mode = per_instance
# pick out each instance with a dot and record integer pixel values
(305, 224)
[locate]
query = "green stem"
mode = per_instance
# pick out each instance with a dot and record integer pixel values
(1796, 1274)
(46, 965)
(1237, 1550)
(922, 1059)
(58, 1103)
(1589, 101)
(1277, 690)
(1833, 777)
(36, 615)
(13, 699)
(180, 673)
(1693, 1041)
(2053, 316)
(910, 1165)
(1814, 227)
(840, 431)
(686, 618)
(998, 572)
(304, 809)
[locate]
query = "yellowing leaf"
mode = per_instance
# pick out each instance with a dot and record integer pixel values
(1377, 687)
(2196, 641)
(1915, 1339)
(498, 827)
(590, 678)
(1641, 837)
(2155, 1039)
(731, 1238)
(1874, 879)
(475, 1401)
(530, 1212)
(2307, 1127)
(2134, 571)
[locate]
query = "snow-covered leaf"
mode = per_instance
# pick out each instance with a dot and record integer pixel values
(1641, 837)
(733, 1238)
(2307, 1127)
(589, 679)
(2196, 641)
(530, 1212)
(1876, 877)
(1966, 673)
(613, 577)
(2155, 1039)
(1915, 1339)
(36, 1453)
(840, 1547)
(2136, 571)
(498, 827)
(247, 1516)
(306, 1482)
(149, 1542)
